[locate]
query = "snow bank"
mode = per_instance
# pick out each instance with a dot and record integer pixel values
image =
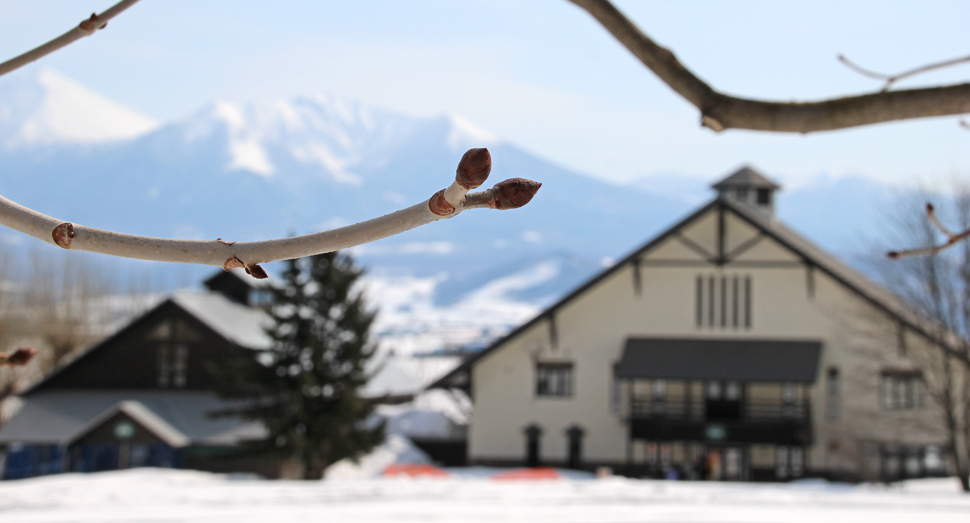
(396, 449)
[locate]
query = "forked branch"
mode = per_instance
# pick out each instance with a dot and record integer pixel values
(720, 111)
(86, 28)
(951, 238)
(891, 79)
(473, 170)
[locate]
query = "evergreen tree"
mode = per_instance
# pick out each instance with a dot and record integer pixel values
(305, 389)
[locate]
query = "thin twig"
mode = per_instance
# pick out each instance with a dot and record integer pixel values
(720, 111)
(931, 216)
(891, 79)
(86, 28)
(951, 238)
(509, 194)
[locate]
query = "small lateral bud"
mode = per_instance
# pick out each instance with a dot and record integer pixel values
(256, 271)
(474, 167)
(513, 193)
(63, 235)
(929, 208)
(18, 357)
(90, 23)
(439, 205)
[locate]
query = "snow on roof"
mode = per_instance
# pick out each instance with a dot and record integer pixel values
(56, 416)
(406, 375)
(236, 322)
(141, 414)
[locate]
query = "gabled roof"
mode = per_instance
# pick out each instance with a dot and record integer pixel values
(142, 415)
(746, 177)
(232, 321)
(811, 254)
(59, 416)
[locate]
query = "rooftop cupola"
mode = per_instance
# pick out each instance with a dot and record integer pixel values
(750, 187)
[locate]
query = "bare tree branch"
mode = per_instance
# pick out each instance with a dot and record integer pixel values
(891, 79)
(86, 28)
(951, 238)
(720, 111)
(509, 194)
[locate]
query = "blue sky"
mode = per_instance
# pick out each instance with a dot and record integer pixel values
(540, 73)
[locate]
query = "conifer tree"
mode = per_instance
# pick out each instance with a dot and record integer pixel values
(305, 388)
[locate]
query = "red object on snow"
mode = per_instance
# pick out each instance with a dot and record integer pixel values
(529, 474)
(415, 471)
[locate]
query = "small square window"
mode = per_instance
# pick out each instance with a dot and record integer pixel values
(554, 379)
(764, 196)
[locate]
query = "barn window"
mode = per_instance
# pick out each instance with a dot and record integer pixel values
(554, 379)
(722, 301)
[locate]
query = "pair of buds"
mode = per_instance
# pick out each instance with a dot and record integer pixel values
(473, 170)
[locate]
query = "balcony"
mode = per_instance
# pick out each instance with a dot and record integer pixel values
(767, 422)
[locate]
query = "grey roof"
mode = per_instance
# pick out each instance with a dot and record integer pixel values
(719, 359)
(56, 416)
(812, 254)
(746, 177)
(141, 414)
(234, 321)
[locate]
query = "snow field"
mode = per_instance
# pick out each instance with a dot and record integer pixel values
(153, 495)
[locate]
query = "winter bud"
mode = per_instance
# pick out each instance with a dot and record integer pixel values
(474, 167)
(513, 193)
(18, 357)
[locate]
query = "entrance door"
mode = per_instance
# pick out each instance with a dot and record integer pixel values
(724, 463)
(532, 452)
(723, 399)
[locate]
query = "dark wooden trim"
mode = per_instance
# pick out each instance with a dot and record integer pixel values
(699, 285)
(747, 302)
(637, 279)
(690, 244)
(553, 331)
(736, 305)
(745, 246)
(677, 263)
(721, 233)
(724, 288)
(810, 280)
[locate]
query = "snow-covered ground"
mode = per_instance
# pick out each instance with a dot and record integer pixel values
(151, 495)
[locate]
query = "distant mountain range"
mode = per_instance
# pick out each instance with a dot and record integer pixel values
(262, 170)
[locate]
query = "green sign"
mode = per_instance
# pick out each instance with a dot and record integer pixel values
(715, 432)
(124, 430)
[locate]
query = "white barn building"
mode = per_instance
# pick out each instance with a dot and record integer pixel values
(728, 347)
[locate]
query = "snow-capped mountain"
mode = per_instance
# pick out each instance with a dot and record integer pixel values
(254, 171)
(46, 108)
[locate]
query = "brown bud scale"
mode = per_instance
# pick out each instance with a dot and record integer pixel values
(439, 205)
(256, 271)
(474, 167)
(233, 263)
(63, 235)
(513, 193)
(88, 25)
